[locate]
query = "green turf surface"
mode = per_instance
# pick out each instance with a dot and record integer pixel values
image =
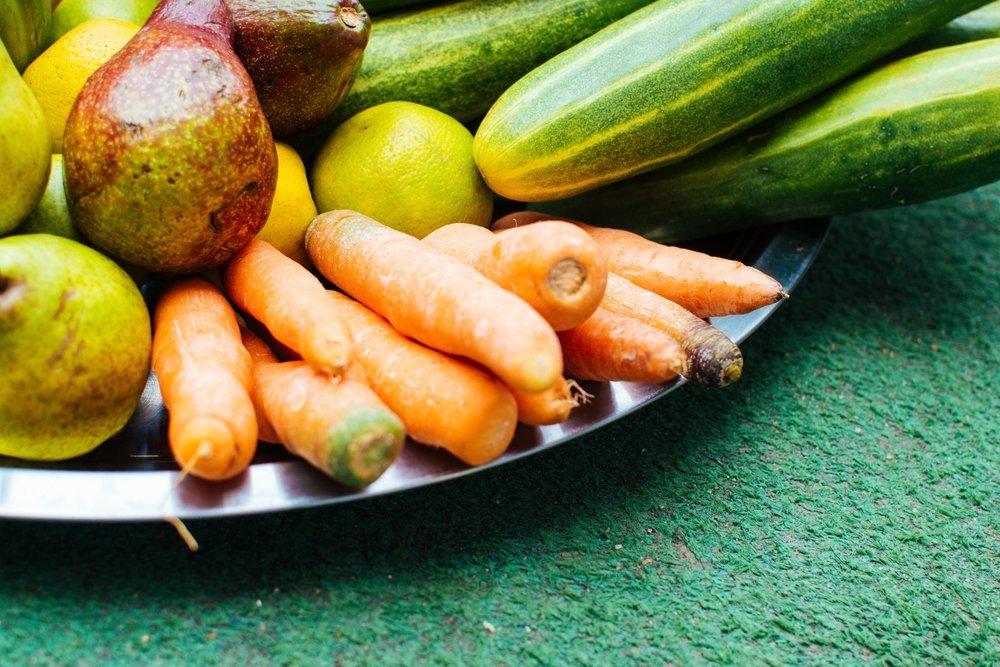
(838, 505)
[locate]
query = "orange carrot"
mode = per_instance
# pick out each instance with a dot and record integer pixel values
(612, 347)
(341, 428)
(554, 266)
(552, 406)
(713, 359)
(707, 285)
(443, 401)
(436, 299)
(290, 302)
(205, 380)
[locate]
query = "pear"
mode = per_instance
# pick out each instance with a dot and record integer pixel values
(24, 27)
(70, 13)
(74, 347)
(169, 161)
(25, 146)
(303, 55)
(51, 216)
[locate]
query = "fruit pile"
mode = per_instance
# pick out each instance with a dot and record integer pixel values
(338, 227)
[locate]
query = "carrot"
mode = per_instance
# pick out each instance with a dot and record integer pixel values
(205, 381)
(443, 401)
(612, 347)
(290, 302)
(554, 266)
(341, 428)
(435, 299)
(707, 285)
(713, 359)
(552, 406)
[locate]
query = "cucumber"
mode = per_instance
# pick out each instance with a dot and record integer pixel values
(458, 57)
(921, 128)
(983, 23)
(677, 76)
(379, 7)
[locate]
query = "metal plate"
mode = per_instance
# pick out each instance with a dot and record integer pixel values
(132, 477)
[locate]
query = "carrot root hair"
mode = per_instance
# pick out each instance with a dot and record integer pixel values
(552, 406)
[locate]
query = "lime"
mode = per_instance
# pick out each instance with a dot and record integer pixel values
(406, 165)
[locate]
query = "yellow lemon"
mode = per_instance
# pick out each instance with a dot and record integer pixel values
(57, 75)
(292, 208)
(404, 164)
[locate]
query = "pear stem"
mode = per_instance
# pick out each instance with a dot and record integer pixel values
(349, 16)
(210, 15)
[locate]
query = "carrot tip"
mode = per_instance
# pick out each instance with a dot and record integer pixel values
(578, 394)
(545, 373)
(326, 352)
(205, 447)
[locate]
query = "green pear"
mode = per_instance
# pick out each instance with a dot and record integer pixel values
(25, 147)
(75, 343)
(52, 215)
(24, 27)
(70, 13)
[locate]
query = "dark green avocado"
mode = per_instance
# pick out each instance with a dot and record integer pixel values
(302, 55)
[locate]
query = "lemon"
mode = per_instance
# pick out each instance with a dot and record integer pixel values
(292, 208)
(57, 75)
(70, 13)
(404, 164)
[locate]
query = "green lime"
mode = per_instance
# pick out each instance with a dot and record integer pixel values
(405, 165)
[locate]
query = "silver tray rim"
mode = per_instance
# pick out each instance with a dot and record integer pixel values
(32, 492)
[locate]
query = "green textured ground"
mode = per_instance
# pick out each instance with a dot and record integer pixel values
(838, 505)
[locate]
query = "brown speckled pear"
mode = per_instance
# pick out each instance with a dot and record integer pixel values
(170, 163)
(74, 347)
(303, 55)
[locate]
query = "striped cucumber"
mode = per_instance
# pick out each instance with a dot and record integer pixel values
(983, 23)
(458, 57)
(921, 128)
(380, 7)
(677, 76)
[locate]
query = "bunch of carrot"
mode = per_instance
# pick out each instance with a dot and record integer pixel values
(451, 340)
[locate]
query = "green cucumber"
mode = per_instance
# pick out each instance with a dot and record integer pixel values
(917, 129)
(677, 76)
(379, 7)
(458, 57)
(983, 23)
